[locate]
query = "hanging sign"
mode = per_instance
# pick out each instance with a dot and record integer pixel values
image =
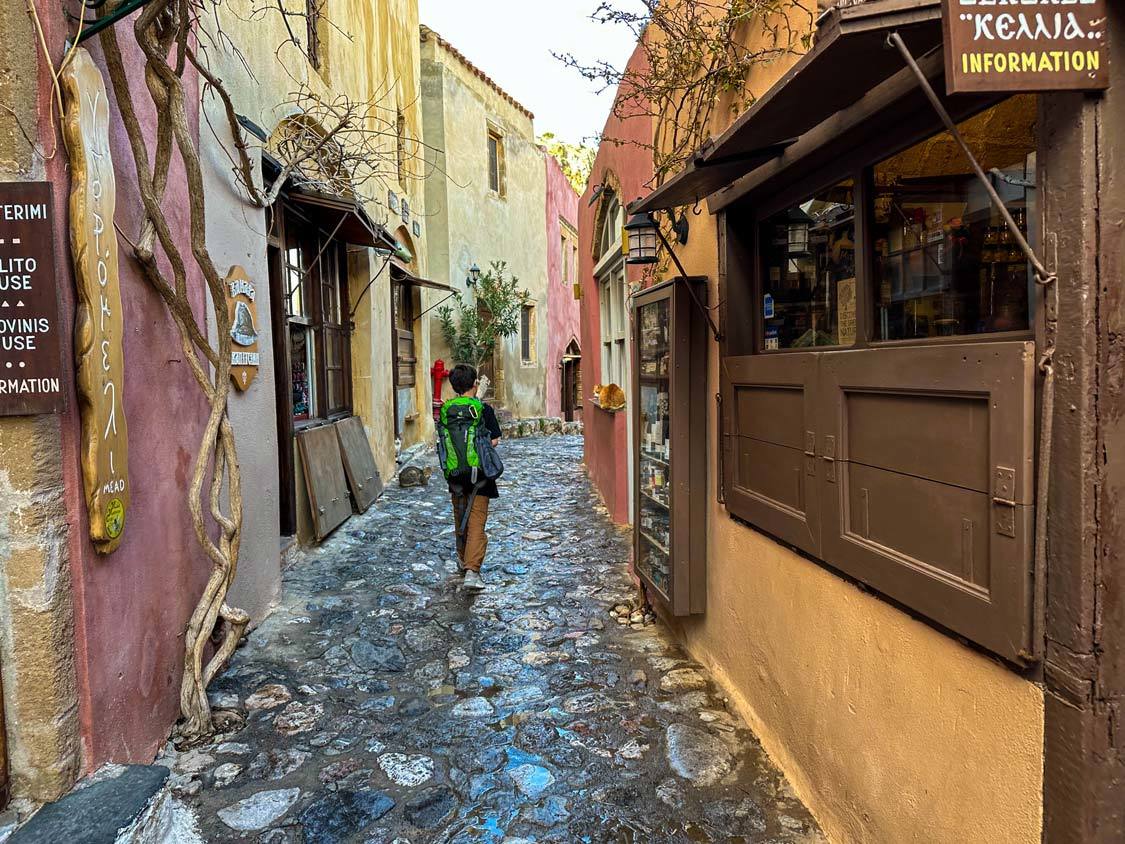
(243, 310)
(1025, 45)
(30, 357)
(99, 326)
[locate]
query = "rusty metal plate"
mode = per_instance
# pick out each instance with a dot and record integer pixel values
(359, 463)
(30, 354)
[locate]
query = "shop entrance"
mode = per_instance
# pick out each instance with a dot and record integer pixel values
(572, 382)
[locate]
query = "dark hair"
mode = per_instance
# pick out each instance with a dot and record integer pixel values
(462, 378)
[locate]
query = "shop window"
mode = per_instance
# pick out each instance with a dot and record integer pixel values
(316, 309)
(527, 334)
(809, 278)
(945, 262)
(496, 172)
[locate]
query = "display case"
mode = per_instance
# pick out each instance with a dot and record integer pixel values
(670, 443)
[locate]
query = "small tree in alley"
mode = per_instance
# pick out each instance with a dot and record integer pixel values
(473, 328)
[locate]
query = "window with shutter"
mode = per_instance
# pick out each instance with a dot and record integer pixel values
(905, 461)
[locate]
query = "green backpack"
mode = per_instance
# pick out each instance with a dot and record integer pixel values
(464, 445)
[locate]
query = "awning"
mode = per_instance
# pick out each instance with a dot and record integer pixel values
(404, 276)
(343, 216)
(849, 58)
(701, 178)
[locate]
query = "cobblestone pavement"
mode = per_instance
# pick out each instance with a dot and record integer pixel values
(382, 703)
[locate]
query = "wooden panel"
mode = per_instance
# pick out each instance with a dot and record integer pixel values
(938, 514)
(770, 463)
(773, 414)
(359, 463)
(324, 478)
(943, 438)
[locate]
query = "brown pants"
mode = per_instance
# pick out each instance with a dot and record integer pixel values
(475, 542)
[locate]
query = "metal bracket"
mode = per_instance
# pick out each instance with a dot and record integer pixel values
(1003, 497)
(829, 457)
(810, 453)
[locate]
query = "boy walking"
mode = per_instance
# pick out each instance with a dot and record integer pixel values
(472, 539)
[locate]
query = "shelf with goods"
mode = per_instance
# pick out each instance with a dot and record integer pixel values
(669, 393)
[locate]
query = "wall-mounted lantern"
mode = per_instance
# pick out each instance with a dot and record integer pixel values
(641, 231)
(473, 277)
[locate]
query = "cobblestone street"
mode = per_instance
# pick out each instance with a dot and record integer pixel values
(384, 704)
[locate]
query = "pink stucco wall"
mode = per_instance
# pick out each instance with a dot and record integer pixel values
(563, 313)
(625, 165)
(131, 606)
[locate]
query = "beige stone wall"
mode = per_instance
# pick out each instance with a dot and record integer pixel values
(470, 223)
(37, 670)
(369, 53)
(890, 730)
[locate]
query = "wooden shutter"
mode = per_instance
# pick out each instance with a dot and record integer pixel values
(359, 463)
(327, 486)
(770, 464)
(926, 461)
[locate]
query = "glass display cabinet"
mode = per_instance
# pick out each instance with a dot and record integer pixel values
(670, 443)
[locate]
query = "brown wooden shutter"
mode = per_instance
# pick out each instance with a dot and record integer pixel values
(926, 461)
(770, 465)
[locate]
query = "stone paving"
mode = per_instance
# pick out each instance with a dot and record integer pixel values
(382, 703)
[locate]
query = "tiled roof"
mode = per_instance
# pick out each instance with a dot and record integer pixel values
(428, 33)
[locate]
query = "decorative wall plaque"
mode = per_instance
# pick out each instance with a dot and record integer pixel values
(30, 358)
(99, 327)
(1035, 45)
(241, 305)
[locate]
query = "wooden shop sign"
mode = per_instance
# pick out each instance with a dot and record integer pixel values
(1026, 45)
(30, 355)
(243, 310)
(99, 326)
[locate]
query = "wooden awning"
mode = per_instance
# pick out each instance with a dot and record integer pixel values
(403, 276)
(850, 58)
(343, 215)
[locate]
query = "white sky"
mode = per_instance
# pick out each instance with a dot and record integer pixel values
(512, 40)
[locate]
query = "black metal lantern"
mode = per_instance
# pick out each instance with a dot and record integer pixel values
(474, 276)
(641, 232)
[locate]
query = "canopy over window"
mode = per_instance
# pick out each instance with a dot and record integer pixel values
(404, 276)
(850, 58)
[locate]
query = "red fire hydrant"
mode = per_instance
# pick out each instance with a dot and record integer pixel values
(439, 373)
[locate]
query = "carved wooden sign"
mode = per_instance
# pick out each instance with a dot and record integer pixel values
(30, 357)
(1026, 45)
(99, 327)
(244, 355)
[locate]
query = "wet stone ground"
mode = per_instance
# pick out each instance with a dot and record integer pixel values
(382, 703)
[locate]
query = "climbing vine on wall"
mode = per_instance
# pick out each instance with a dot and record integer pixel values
(696, 56)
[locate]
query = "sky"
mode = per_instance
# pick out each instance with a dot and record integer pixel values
(512, 40)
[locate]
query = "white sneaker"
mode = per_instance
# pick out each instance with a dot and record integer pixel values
(473, 582)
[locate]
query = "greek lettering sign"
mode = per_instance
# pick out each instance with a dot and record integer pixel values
(30, 357)
(1025, 45)
(244, 356)
(99, 327)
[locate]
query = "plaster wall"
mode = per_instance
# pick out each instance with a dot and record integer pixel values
(236, 233)
(563, 311)
(369, 54)
(624, 165)
(478, 225)
(888, 729)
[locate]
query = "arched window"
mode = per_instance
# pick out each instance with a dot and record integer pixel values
(611, 291)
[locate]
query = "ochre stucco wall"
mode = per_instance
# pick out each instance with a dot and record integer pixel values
(469, 223)
(889, 730)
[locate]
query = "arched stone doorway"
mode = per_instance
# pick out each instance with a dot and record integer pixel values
(572, 382)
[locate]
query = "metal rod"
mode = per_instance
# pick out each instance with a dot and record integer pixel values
(452, 293)
(896, 40)
(109, 20)
(684, 276)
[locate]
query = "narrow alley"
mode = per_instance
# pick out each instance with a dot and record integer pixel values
(384, 704)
